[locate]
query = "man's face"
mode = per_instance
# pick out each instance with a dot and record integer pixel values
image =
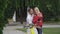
(31, 11)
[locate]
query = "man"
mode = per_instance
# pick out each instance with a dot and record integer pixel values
(31, 29)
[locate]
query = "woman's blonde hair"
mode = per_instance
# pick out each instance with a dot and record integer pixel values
(37, 9)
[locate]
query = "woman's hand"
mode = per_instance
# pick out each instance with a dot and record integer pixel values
(38, 27)
(35, 24)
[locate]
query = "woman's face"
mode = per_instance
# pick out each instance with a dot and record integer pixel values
(31, 11)
(35, 11)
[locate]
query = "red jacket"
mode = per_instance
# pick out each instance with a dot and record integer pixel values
(35, 19)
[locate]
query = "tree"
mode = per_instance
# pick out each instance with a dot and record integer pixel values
(3, 5)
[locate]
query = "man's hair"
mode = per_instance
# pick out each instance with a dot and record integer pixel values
(30, 8)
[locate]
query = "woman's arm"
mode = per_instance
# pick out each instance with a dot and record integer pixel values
(35, 18)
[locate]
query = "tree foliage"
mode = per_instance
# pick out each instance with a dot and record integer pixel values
(7, 8)
(49, 8)
(3, 6)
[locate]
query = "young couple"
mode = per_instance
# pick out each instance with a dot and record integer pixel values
(34, 16)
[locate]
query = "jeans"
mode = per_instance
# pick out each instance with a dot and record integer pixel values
(39, 31)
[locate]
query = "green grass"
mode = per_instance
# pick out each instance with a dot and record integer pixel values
(22, 29)
(46, 30)
(51, 30)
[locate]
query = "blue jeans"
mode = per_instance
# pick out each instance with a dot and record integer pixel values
(39, 31)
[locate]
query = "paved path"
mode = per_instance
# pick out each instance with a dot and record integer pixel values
(51, 26)
(12, 30)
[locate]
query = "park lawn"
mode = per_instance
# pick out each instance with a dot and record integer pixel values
(22, 29)
(51, 30)
(46, 30)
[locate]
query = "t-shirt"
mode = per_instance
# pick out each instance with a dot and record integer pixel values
(35, 19)
(29, 19)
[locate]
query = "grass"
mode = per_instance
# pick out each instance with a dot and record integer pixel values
(51, 30)
(47, 30)
(22, 29)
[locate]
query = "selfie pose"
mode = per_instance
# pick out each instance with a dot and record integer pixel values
(31, 29)
(38, 19)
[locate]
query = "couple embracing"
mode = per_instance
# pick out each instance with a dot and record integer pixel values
(34, 21)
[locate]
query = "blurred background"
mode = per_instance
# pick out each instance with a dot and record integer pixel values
(14, 12)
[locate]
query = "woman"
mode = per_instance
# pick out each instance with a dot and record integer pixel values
(31, 29)
(37, 19)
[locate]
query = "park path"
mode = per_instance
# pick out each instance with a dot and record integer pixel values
(12, 30)
(51, 26)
